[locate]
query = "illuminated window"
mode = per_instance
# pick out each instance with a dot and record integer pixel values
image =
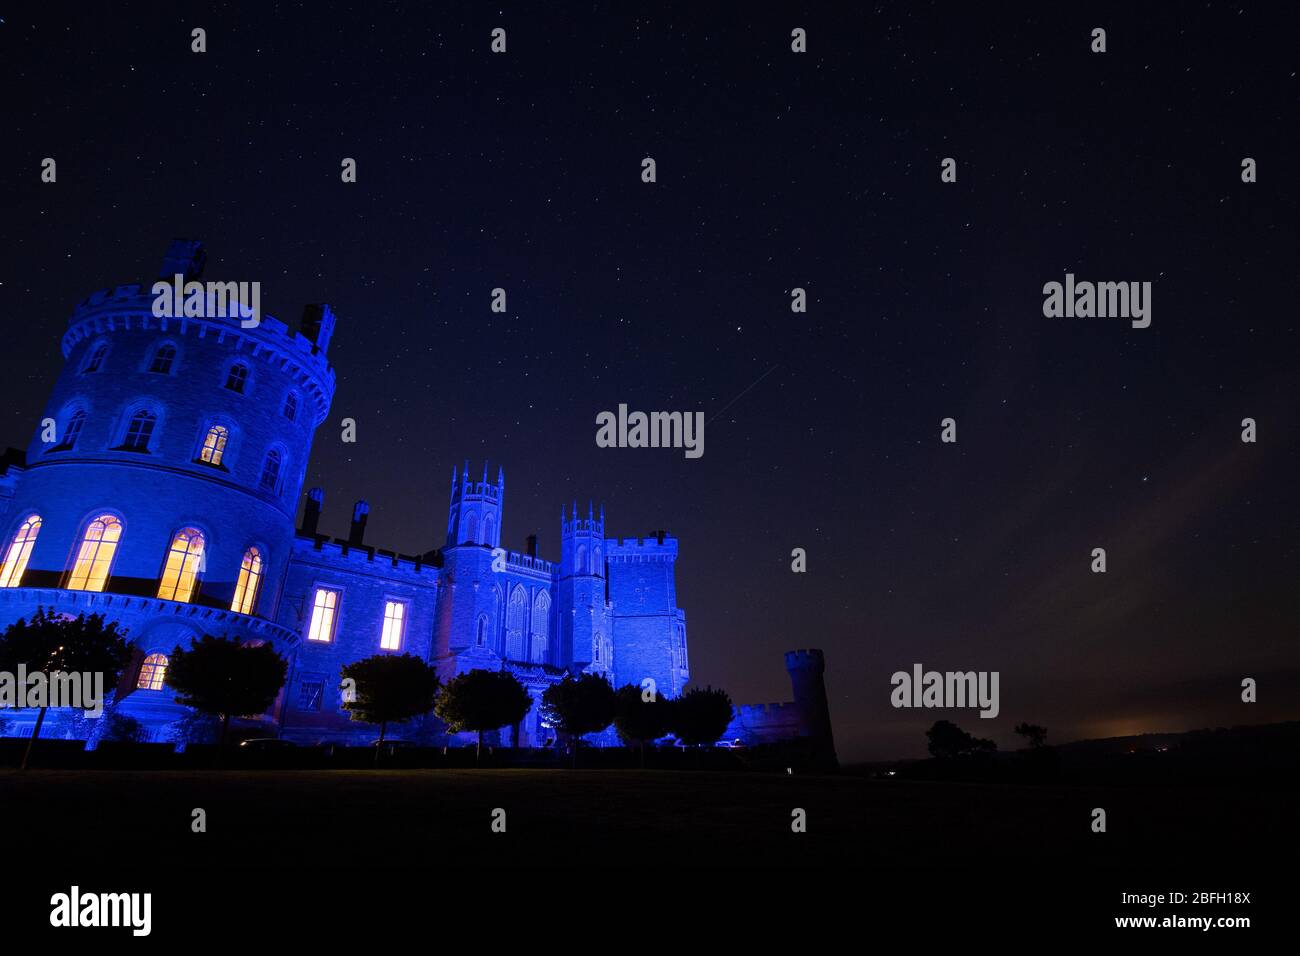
(324, 606)
(271, 470)
(394, 626)
(291, 406)
(214, 444)
(163, 359)
(152, 672)
(20, 549)
(95, 555)
(249, 583)
(237, 378)
(96, 358)
(181, 571)
(140, 430)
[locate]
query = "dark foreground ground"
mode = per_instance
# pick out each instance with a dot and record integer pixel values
(596, 818)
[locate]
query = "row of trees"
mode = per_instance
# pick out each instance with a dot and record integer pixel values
(224, 678)
(947, 740)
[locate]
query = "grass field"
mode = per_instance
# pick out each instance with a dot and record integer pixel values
(368, 818)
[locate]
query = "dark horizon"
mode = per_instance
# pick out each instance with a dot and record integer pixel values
(775, 171)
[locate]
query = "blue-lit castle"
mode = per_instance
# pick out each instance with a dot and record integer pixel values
(161, 491)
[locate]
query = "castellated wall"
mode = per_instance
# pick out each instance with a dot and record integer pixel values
(649, 628)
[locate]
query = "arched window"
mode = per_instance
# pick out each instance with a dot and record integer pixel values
(515, 624)
(291, 406)
(249, 583)
(152, 672)
(214, 444)
(237, 377)
(95, 554)
(471, 528)
(541, 627)
(580, 563)
(481, 640)
(20, 549)
(72, 431)
(139, 430)
(271, 470)
(163, 358)
(181, 570)
(95, 359)
(489, 525)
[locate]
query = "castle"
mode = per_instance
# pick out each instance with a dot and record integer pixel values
(161, 492)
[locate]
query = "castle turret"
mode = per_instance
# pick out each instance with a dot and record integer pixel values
(807, 670)
(475, 513)
(583, 603)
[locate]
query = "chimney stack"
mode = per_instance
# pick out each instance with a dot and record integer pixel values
(360, 511)
(311, 513)
(532, 545)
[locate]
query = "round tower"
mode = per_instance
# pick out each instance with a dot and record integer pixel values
(161, 484)
(807, 670)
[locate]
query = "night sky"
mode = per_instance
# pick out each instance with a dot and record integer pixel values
(775, 170)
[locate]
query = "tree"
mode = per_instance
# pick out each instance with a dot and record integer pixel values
(638, 719)
(482, 700)
(700, 715)
(225, 678)
(949, 740)
(1034, 735)
(577, 707)
(390, 688)
(52, 642)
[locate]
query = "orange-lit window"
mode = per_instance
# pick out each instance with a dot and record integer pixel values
(95, 555)
(323, 608)
(394, 626)
(152, 672)
(181, 571)
(250, 581)
(214, 444)
(20, 549)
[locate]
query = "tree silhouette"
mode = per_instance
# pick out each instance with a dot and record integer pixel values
(225, 678)
(639, 720)
(482, 700)
(577, 707)
(949, 740)
(390, 688)
(700, 715)
(1034, 735)
(51, 642)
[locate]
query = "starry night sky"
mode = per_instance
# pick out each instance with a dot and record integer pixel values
(775, 170)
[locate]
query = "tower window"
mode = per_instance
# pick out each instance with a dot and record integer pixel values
(152, 672)
(73, 431)
(249, 583)
(163, 359)
(95, 555)
(237, 378)
(20, 549)
(271, 470)
(140, 430)
(324, 607)
(181, 570)
(394, 626)
(96, 359)
(214, 445)
(291, 406)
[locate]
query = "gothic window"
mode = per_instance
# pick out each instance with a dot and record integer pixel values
(95, 359)
(139, 430)
(95, 554)
(73, 429)
(20, 549)
(291, 406)
(214, 445)
(515, 624)
(237, 377)
(541, 627)
(482, 638)
(271, 470)
(324, 607)
(249, 583)
(181, 570)
(394, 626)
(488, 526)
(152, 672)
(163, 359)
(471, 527)
(580, 566)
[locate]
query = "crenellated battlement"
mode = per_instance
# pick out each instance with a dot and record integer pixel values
(340, 553)
(661, 547)
(517, 561)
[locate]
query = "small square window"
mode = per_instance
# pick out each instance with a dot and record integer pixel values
(311, 691)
